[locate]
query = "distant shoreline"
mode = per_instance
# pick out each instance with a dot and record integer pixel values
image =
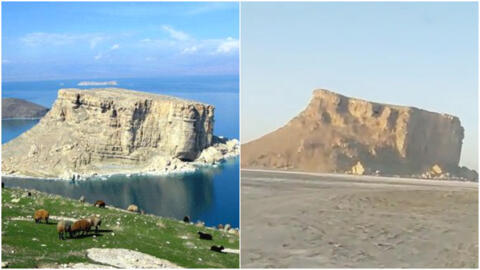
(73, 80)
(23, 118)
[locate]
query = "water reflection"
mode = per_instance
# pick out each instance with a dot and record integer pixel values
(210, 194)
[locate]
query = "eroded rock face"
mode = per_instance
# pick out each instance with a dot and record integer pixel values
(335, 133)
(102, 130)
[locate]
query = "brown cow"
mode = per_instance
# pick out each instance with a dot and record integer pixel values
(80, 226)
(100, 204)
(41, 214)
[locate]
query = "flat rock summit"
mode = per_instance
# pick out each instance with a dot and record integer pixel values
(339, 134)
(111, 130)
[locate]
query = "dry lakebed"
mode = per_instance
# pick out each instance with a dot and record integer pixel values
(324, 220)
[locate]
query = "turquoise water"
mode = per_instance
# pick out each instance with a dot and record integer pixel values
(210, 194)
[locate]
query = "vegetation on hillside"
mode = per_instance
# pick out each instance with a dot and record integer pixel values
(26, 244)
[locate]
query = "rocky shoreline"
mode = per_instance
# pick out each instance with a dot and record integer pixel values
(220, 152)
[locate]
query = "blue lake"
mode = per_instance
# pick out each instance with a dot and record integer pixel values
(12, 128)
(210, 194)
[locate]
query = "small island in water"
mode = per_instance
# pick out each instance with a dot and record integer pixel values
(107, 131)
(15, 108)
(92, 83)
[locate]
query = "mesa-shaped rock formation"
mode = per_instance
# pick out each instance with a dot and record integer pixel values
(339, 134)
(15, 108)
(111, 130)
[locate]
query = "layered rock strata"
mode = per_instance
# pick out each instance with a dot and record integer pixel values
(339, 134)
(111, 130)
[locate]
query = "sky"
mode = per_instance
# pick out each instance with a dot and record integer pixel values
(416, 54)
(81, 40)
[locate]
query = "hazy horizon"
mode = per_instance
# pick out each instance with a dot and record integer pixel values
(122, 78)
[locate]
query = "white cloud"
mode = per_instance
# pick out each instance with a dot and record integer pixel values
(101, 55)
(183, 43)
(193, 46)
(94, 41)
(39, 38)
(175, 34)
(190, 50)
(228, 45)
(157, 43)
(55, 39)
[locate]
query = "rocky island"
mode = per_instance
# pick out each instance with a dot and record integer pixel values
(116, 131)
(92, 83)
(340, 134)
(15, 108)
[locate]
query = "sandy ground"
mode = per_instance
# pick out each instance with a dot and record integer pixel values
(324, 220)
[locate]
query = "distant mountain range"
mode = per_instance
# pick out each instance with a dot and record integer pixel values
(19, 108)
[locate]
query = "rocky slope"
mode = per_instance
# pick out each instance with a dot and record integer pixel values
(111, 130)
(19, 108)
(339, 134)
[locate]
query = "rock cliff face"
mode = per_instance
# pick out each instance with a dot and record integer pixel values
(336, 133)
(19, 108)
(111, 130)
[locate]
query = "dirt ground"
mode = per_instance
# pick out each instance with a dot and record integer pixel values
(325, 220)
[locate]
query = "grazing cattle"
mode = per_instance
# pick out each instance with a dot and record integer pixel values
(80, 226)
(100, 204)
(41, 214)
(217, 248)
(82, 199)
(186, 219)
(62, 228)
(95, 222)
(205, 236)
(132, 208)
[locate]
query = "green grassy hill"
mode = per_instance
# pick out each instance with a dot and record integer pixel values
(28, 245)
